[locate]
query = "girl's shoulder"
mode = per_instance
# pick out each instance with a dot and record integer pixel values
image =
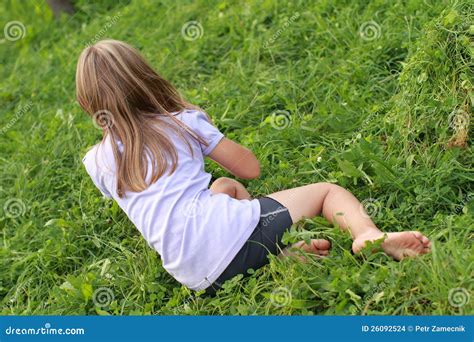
(194, 117)
(100, 157)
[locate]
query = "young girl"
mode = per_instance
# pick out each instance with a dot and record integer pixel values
(151, 161)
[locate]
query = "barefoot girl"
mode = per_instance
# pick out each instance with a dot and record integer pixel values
(151, 161)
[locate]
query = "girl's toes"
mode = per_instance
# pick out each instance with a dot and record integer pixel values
(321, 244)
(410, 253)
(422, 240)
(425, 241)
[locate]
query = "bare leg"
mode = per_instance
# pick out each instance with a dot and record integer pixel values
(236, 190)
(230, 187)
(341, 207)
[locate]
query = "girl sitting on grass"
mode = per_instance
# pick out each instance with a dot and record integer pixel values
(151, 161)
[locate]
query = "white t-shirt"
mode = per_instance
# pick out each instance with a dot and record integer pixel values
(196, 233)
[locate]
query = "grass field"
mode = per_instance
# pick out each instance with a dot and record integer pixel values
(374, 97)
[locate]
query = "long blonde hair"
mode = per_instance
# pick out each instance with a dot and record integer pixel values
(128, 99)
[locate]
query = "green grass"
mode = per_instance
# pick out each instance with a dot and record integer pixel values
(372, 115)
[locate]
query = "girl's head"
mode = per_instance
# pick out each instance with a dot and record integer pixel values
(129, 100)
(113, 75)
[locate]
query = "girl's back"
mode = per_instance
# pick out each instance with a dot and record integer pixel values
(195, 233)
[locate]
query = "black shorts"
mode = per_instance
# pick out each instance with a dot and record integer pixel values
(265, 239)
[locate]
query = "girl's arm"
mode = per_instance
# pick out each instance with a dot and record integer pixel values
(236, 159)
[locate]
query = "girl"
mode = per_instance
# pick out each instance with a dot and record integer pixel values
(151, 161)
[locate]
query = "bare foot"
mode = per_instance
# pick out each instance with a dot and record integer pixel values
(319, 247)
(397, 245)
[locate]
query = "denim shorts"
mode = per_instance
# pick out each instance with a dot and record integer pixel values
(265, 239)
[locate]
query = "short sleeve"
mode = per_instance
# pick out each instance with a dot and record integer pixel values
(200, 124)
(95, 174)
